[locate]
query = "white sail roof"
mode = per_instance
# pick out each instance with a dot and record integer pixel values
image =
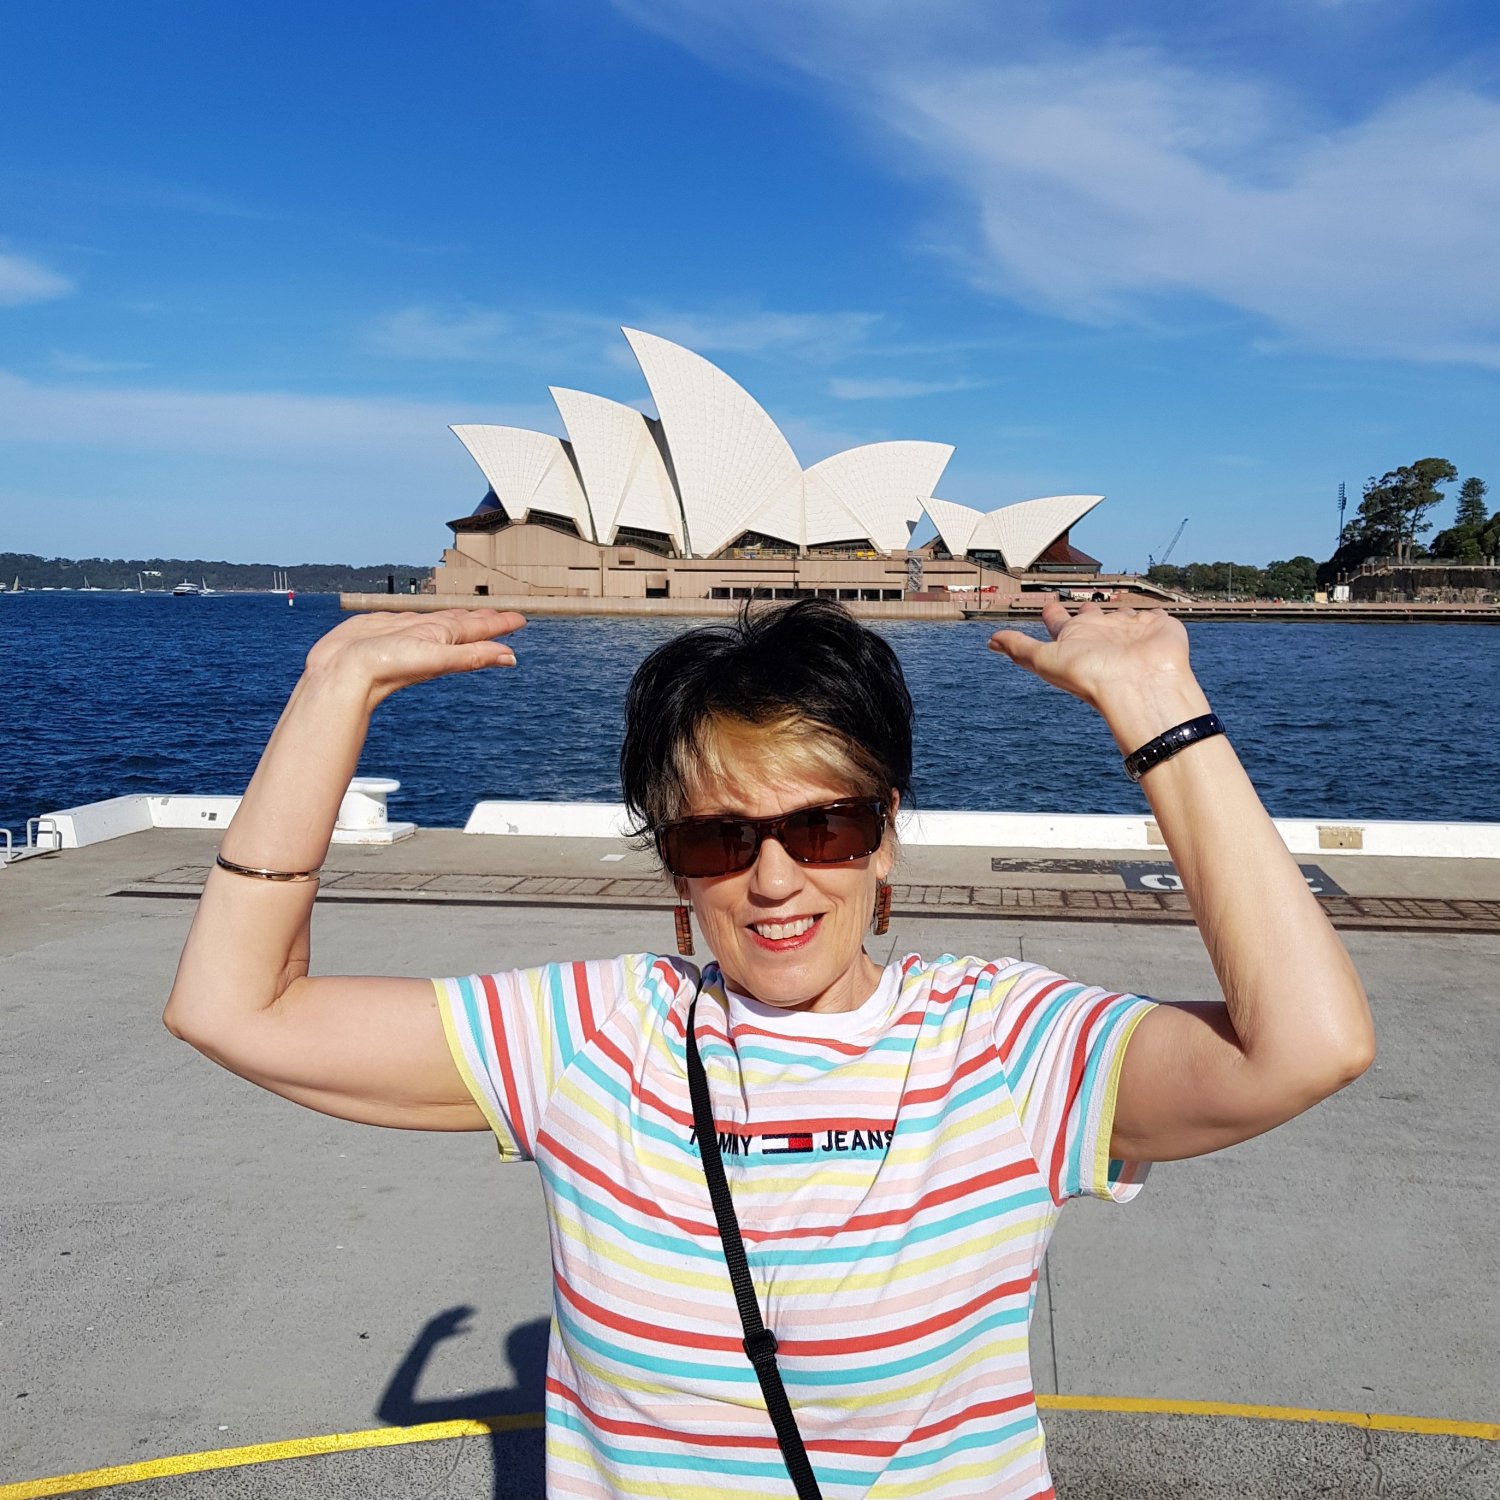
(528, 471)
(956, 523)
(1025, 530)
(735, 470)
(1020, 533)
(883, 485)
(623, 470)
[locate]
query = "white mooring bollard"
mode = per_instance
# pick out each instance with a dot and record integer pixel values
(362, 813)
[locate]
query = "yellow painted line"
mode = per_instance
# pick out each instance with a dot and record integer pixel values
(1369, 1421)
(265, 1453)
(434, 1432)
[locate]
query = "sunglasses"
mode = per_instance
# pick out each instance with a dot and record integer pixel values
(831, 834)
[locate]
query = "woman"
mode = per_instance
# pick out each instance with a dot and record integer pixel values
(897, 1141)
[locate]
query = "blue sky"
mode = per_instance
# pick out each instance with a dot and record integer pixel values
(253, 261)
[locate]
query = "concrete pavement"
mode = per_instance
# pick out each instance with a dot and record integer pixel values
(190, 1264)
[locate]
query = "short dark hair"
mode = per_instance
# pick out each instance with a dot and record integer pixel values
(805, 665)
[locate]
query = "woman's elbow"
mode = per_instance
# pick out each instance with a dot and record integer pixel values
(177, 1019)
(1358, 1059)
(189, 1022)
(1345, 1057)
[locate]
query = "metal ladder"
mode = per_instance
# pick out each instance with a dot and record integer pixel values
(43, 836)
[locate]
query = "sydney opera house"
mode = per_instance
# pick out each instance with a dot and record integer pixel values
(707, 501)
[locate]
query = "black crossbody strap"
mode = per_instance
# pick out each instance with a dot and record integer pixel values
(759, 1341)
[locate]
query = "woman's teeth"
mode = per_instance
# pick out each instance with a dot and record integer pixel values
(776, 931)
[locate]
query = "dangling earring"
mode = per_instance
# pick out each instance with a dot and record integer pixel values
(683, 916)
(882, 907)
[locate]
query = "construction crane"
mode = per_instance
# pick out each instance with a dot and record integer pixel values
(1151, 562)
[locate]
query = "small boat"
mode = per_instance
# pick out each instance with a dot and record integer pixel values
(186, 590)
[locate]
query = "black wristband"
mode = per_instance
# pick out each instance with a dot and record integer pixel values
(1168, 743)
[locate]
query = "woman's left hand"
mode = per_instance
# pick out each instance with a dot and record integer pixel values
(1097, 655)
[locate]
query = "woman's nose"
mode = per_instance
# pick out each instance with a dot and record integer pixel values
(775, 872)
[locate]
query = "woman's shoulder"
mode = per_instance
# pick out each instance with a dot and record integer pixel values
(948, 968)
(597, 987)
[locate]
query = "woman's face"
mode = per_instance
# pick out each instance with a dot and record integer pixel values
(784, 933)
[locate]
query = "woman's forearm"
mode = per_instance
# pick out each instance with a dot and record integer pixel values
(249, 938)
(1294, 999)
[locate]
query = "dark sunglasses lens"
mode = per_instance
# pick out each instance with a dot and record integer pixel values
(713, 847)
(829, 835)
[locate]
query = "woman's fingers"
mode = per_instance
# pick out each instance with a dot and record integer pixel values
(479, 624)
(1095, 651)
(1018, 646)
(1055, 617)
(389, 650)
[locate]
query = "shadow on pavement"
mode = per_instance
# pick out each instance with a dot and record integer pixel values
(526, 1349)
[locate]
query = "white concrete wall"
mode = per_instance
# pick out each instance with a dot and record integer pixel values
(98, 821)
(1034, 830)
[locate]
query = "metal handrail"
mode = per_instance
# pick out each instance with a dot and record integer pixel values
(36, 830)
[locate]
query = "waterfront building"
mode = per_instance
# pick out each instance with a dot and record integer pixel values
(707, 500)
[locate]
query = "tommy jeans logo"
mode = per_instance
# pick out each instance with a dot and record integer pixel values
(803, 1143)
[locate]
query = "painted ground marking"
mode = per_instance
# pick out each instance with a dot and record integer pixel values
(431, 1432)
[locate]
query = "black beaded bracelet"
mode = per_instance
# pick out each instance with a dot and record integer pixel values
(1169, 742)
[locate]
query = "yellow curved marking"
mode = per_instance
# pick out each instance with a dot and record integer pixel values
(1370, 1421)
(265, 1453)
(433, 1432)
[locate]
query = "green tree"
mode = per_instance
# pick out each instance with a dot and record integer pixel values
(1294, 578)
(1168, 575)
(1471, 508)
(1393, 512)
(1489, 538)
(1462, 541)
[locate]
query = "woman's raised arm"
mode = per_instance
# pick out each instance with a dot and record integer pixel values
(1295, 1026)
(368, 1049)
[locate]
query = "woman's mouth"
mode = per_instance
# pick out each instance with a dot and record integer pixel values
(784, 935)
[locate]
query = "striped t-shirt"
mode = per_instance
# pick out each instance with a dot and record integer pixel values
(896, 1170)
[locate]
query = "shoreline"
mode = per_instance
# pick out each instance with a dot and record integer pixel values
(930, 609)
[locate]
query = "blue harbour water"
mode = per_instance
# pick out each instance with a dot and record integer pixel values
(108, 694)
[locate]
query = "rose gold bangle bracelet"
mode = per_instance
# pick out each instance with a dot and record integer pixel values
(290, 877)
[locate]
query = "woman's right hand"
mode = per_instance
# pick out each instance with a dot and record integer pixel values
(362, 1048)
(387, 649)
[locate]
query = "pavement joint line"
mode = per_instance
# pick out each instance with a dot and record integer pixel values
(1433, 915)
(432, 1432)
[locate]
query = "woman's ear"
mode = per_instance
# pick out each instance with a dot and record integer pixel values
(885, 856)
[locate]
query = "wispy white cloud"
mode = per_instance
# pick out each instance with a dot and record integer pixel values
(338, 430)
(436, 333)
(1096, 190)
(557, 338)
(24, 280)
(544, 335)
(894, 388)
(170, 197)
(821, 336)
(1107, 183)
(85, 364)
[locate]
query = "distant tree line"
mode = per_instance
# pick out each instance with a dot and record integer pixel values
(1394, 516)
(1292, 578)
(163, 572)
